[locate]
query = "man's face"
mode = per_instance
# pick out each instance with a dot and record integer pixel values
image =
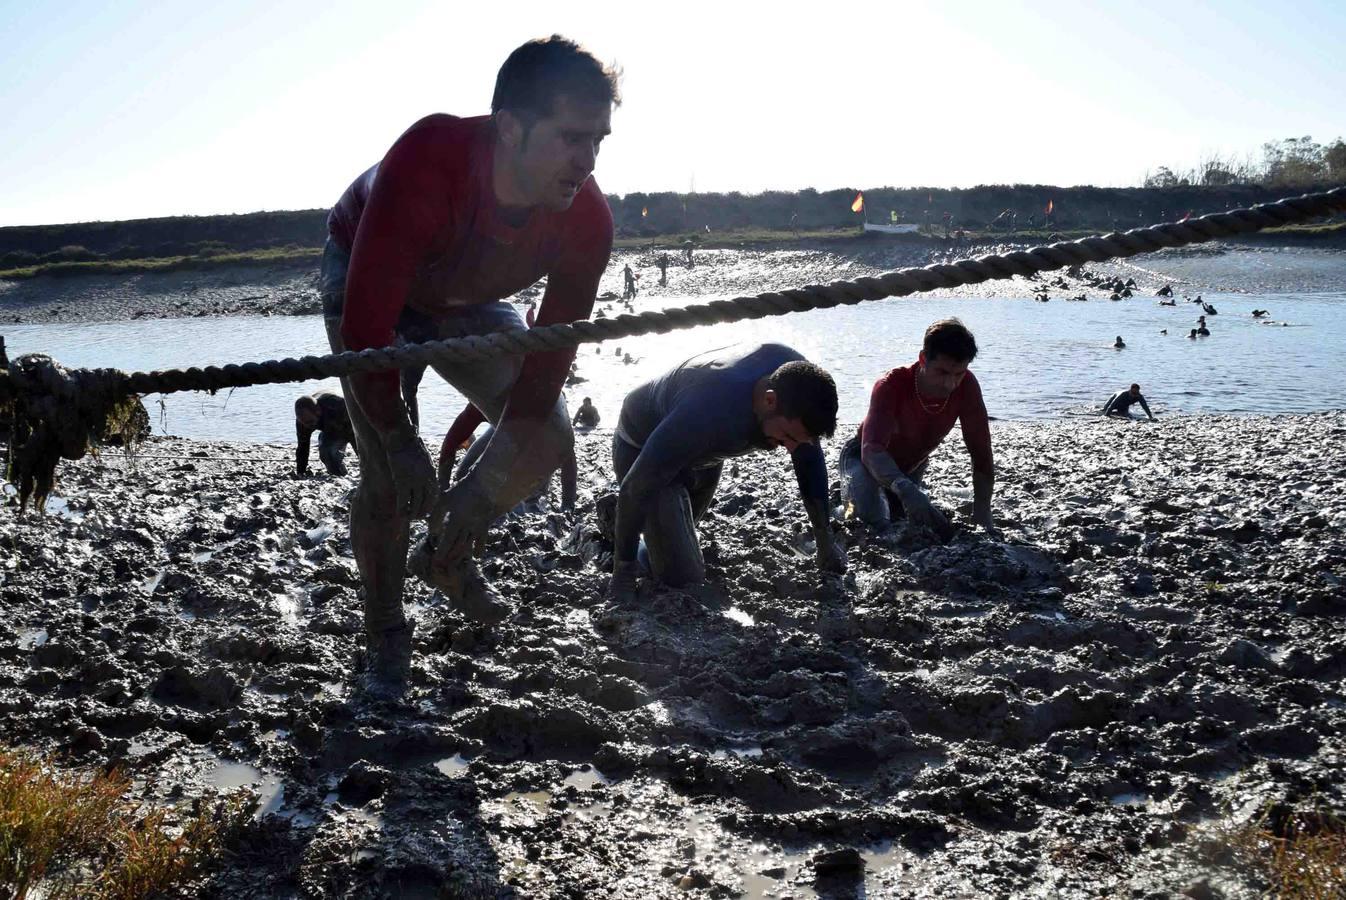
(941, 375)
(557, 154)
(783, 432)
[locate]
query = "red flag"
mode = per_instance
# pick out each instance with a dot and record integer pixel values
(1050, 207)
(858, 204)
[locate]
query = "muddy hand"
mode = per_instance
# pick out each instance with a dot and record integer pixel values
(920, 511)
(413, 474)
(622, 587)
(462, 518)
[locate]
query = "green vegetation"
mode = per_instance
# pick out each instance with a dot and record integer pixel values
(1289, 163)
(74, 835)
(283, 256)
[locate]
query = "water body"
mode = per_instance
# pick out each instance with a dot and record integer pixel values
(1038, 360)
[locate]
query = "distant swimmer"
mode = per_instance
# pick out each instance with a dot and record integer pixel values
(587, 415)
(1120, 403)
(1210, 310)
(676, 431)
(1192, 335)
(1165, 291)
(1163, 331)
(325, 413)
(1119, 344)
(1169, 302)
(1203, 331)
(1260, 313)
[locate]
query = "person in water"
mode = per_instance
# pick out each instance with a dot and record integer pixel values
(911, 410)
(676, 431)
(325, 413)
(586, 416)
(460, 214)
(1120, 403)
(1119, 343)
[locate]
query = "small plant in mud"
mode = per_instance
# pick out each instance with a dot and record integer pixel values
(1300, 852)
(67, 835)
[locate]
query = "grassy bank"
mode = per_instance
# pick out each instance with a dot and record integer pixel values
(288, 256)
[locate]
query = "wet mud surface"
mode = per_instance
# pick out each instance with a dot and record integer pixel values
(1155, 648)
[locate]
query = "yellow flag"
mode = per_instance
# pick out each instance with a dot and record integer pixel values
(859, 204)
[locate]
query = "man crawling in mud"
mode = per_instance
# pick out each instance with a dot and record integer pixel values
(911, 410)
(460, 214)
(674, 434)
(1119, 404)
(325, 413)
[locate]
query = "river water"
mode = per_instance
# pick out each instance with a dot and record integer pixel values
(1038, 360)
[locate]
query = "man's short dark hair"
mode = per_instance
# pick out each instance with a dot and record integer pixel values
(806, 392)
(1136, 388)
(541, 70)
(950, 337)
(305, 404)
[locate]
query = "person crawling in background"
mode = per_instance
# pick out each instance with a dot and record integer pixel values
(325, 413)
(1120, 403)
(911, 410)
(676, 431)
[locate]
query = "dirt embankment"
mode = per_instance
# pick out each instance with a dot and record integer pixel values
(1156, 648)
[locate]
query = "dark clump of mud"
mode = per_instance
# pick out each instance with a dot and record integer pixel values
(1155, 650)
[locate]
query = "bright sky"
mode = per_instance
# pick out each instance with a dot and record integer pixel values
(117, 110)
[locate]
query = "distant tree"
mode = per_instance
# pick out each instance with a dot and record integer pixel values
(1335, 158)
(1293, 161)
(1163, 177)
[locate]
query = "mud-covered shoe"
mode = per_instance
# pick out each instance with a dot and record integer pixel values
(466, 589)
(388, 661)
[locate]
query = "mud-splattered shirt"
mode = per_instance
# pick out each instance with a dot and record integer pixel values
(700, 414)
(424, 230)
(909, 428)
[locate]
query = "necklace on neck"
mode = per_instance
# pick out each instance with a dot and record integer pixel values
(916, 389)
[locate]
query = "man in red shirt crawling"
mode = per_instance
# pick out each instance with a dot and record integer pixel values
(911, 410)
(460, 214)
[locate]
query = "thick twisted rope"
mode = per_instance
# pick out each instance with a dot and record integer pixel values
(894, 284)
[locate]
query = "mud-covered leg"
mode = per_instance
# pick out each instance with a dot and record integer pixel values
(379, 536)
(670, 539)
(865, 496)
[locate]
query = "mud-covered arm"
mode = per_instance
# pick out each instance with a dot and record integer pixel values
(811, 475)
(976, 426)
(523, 449)
(408, 207)
(683, 438)
(303, 436)
(1145, 406)
(877, 430)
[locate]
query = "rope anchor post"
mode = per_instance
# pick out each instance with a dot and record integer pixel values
(59, 412)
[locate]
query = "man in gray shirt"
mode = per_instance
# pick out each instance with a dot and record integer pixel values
(675, 433)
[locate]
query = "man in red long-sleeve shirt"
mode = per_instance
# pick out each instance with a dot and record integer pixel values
(911, 410)
(460, 214)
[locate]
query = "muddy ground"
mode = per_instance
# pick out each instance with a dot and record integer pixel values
(1153, 652)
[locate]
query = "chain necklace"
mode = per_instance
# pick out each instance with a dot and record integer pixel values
(916, 389)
